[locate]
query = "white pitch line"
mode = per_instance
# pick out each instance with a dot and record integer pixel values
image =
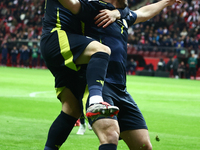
(34, 94)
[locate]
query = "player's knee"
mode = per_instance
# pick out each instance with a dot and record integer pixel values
(110, 136)
(107, 50)
(107, 131)
(75, 112)
(146, 146)
(104, 49)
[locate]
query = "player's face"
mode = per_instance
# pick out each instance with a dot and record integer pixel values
(123, 3)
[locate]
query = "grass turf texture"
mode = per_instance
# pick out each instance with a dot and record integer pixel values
(28, 106)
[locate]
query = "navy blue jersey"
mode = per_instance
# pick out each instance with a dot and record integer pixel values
(58, 17)
(115, 36)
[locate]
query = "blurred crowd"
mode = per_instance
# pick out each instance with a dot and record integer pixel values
(177, 26)
(20, 20)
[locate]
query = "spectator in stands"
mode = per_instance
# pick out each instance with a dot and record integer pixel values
(181, 69)
(26, 53)
(165, 31)
(2, 29)
(166, 42)
(161, 65)
(169, 65)
(187, 41)
(4, 53)
(184, 32)
(1, 37)
(160, 30)
(192, 62)
(132, 39)
(14, 53)
(41, 61)
(193, 43)
(175, 66)
(131, 66)
(149, 67)
(21, 51)
(179, 45)
(34, 56)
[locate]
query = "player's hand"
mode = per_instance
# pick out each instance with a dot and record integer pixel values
(171, 2)
(106, 17)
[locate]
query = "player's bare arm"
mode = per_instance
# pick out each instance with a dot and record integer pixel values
(147, 12)
(73, 5)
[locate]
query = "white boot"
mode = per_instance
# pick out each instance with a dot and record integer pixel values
(81, 129)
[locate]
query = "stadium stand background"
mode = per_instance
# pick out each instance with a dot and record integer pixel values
(174, 32)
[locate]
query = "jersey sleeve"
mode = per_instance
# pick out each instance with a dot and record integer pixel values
(131, 18)
(124, 12)
(87, 11)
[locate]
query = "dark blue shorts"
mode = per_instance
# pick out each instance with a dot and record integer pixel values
(129, 117)
(60, 50)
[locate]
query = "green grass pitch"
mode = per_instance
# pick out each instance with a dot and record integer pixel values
(28, 106)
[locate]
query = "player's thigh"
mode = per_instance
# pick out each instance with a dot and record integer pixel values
(60, 47)
(70, 104)
(137, 139)
(107, 130)
(91, 49)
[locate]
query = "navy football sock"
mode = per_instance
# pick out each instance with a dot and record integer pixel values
(108, 147)
(96, 72)
(82, 120)
(59, 131)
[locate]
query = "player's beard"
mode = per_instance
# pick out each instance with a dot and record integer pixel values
(123, 3)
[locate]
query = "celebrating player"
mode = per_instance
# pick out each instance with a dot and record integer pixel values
(65, 52)
(129, 124)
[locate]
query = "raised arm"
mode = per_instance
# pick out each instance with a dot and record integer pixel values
(147, 12)
(73, 5)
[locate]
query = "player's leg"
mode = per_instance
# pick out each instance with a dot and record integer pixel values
(64, 123)
(97, 56)
(70, 104)
(133, 129)
(137, 139)
(107, 131)
(68, 87)
(106, 128)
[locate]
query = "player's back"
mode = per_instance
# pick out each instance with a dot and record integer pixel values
(57, 17)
